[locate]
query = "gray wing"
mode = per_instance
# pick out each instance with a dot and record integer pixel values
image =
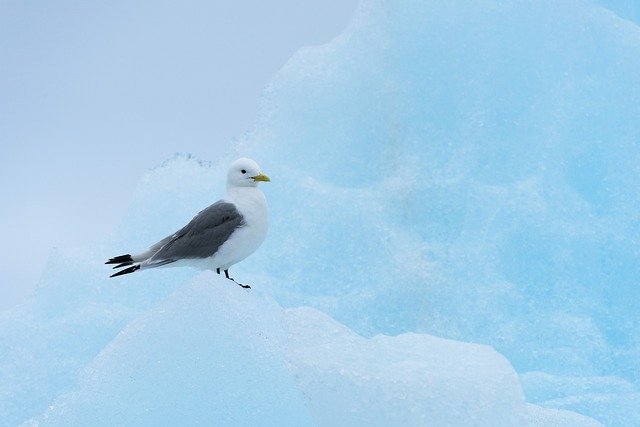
(203, 236)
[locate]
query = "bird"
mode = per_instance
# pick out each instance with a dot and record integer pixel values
(219, 236)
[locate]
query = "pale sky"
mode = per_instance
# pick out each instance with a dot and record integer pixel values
(93, 94)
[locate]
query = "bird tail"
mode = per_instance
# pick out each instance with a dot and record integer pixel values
(123, 260)
(128, 261)
(127, 270)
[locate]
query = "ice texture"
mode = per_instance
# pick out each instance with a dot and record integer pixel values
(467, 169)
(592, 396)
(453, 237)
(167, 347)
(213, 354)
(210, 354)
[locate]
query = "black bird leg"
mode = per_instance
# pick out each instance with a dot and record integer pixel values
(218, 270)
(226, 273)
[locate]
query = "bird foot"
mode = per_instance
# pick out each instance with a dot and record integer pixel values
(238, 283)
(226, 274)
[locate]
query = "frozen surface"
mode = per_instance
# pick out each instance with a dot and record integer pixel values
(201, 350)
(467, 170)
(212, 353)
(592, 396)
(208, 355)
(409, 379)
(485, 167)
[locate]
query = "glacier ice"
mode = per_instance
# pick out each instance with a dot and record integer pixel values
(490, 165)
(592, 396)
(212, 354)
(195, 350)
(467, 170)
(206, 355)
(488, 153)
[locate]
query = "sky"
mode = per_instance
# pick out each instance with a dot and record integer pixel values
(93, 94)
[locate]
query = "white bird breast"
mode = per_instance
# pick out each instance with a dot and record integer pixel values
(252, 205)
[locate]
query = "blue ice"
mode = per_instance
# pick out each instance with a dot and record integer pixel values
(454, 236)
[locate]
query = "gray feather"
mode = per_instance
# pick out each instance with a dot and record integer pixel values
(203, 236)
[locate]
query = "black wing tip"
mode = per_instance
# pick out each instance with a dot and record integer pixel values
(131, 269)
(120, 259)
(124, 264)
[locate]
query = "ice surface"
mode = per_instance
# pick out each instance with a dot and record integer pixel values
(203, 350)
(212, 353)
(482, 159)
(627, 9)
(545, 417)
(76, 312)
(466, 169)
(489, 166)
(592, 396)
(407, 379)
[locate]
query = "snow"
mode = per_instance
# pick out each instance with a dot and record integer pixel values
(458, 240)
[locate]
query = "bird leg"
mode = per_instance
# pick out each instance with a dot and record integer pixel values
(226, 273)
(218, 271)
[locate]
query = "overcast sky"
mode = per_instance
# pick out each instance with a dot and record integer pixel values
(93, 94)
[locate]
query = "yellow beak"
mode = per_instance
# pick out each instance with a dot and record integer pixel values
(261, 177)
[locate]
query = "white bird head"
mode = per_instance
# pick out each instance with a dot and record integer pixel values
(245, 173)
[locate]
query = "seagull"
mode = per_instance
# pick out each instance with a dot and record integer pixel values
(219, 236)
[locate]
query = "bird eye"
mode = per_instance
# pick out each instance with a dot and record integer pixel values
(243, 171)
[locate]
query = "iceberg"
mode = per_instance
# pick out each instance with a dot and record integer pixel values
(175, 346)
(453, 238)
(488, 153)
(213, 354)
(207, 354)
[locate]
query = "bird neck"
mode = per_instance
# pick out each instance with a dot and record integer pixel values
(251, 203)
(234, 191)
(243, 195)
